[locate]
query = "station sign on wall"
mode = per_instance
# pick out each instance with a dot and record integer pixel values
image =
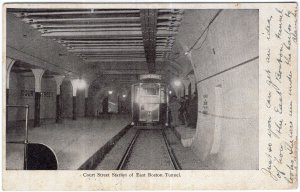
(150, 76)
(30, 93)
(205, 104)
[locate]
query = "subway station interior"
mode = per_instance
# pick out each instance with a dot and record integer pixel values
(136, 89)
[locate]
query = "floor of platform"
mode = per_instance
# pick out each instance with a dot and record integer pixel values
(185, 134)
(72, 141)
(185, 155)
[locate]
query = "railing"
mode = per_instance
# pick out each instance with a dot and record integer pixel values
(37, 156)
(25, 141)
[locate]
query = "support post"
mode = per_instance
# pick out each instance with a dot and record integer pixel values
(119, 107)
(185, 86)
(9, 63)
(86, 95)
(74, 85)
(38, 74)
(59, 79)
(193, 82)
(74, 108)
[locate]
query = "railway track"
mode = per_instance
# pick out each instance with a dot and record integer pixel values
(149, 149)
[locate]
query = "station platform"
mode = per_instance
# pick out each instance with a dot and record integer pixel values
(76, 143)
(185, 134)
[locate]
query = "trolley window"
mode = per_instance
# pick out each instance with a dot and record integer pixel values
(150, 89)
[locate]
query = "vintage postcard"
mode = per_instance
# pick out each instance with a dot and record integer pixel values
(149, 96)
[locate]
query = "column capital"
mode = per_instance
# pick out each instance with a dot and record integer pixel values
(189, 55)
(9, 63)
(38, 74)
(192, 77)
(185, 83)
(59, 79)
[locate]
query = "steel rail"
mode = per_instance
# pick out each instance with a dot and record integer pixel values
(127, 154)
(128, 151)
(172, 156)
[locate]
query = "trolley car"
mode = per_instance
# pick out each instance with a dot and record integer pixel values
(149, 101)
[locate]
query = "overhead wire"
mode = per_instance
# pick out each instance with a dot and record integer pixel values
(203, 40)
(206, 29)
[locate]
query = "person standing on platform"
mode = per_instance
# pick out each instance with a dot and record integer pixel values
(193, 111)
(181, 111)
(174, 108)
(105, 105)
(186, 110)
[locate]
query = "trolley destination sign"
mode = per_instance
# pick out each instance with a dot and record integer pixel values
(150, 76)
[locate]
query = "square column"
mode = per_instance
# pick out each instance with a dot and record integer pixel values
(59, 79)
(193, 82)
(9, 63)
(74, 83)
(86, 95)
(185, 87)
(38, 74)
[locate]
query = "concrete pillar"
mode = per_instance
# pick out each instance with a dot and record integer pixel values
(192, 79)
(38, 74)
(179, 90)
(75, 86)
(59, 79)
(86, 95)
(74, 117)
(194, 85)
(9, 63)
(185, 86)
(189, 56)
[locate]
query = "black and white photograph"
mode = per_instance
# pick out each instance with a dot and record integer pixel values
(159, 89)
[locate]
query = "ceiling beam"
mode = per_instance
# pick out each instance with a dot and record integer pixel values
(149, 28)
(117, 60)
(107, 33)
(124, 72)
(80, 19)
(90, 29)
(84, 25)
(92, 33)
(85, 29)
(112, 35)
(130, 41)
(88, 11)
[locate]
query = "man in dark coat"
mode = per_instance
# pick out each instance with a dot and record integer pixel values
(105, 105)
(193, 111)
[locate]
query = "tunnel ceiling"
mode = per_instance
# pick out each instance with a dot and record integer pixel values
(106, 37)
